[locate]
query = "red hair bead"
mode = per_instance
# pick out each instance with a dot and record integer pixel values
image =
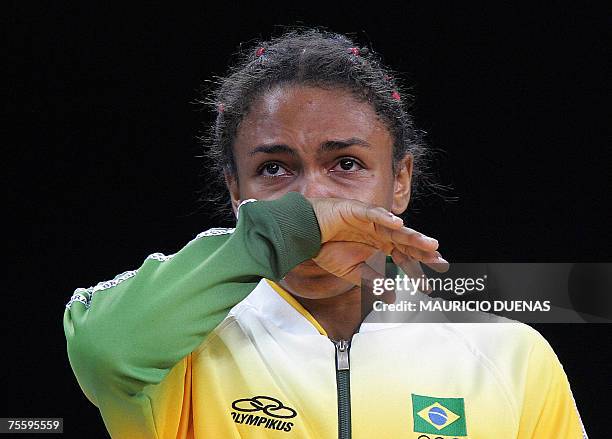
(260, 51)
(396, 96)
(354, 51)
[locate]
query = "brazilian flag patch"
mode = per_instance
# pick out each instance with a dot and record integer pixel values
(441, 416)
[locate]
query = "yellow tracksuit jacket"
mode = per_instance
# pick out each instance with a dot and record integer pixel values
(205, 344)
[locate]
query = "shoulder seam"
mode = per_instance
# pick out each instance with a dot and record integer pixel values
(214, 334)
(490, 366)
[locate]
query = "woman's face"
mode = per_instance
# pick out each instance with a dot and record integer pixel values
(321, 143)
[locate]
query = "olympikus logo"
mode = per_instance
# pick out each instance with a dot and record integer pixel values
(267, 405)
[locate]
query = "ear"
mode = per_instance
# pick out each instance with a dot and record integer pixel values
(402, 185)
(232, 186)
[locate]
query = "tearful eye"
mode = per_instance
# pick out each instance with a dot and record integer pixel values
(348, 164)
(272, 170)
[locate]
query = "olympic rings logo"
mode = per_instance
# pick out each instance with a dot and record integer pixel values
(424, 436)
(270, 406)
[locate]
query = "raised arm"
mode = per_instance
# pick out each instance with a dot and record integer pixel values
(128, 333)
(124, 336)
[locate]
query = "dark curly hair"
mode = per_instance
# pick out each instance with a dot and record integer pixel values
(316, 58)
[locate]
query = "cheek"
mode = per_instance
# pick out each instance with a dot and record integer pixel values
(382, 193)
(246, 192)
(374, 188)
(259, 189)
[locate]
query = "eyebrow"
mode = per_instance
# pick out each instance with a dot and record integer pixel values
(334, 145)
(273, 149)
(329, 145)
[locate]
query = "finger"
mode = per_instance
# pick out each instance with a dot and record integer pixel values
(408, 265)
(440, 267)
(381, 239)
(434, 259)
(382, 217)
(411, 267)
(411, 237)
(376, 215)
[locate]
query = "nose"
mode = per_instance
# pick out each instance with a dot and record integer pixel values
(314, 185)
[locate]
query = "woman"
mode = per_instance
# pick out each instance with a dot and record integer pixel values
(258, 331)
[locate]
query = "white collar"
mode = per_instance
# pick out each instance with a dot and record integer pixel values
(287, 314)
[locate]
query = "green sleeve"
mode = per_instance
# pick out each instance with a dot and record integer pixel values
(125, 334)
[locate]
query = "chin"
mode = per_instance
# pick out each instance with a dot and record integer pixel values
(310, 281)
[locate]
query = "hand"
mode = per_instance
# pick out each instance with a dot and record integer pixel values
(352, 231)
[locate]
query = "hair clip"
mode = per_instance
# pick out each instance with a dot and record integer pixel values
(396, 96)
(260, 51)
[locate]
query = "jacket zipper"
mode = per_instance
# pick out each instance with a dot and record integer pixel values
(343, 383)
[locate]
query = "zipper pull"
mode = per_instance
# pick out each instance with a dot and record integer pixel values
(342, 354)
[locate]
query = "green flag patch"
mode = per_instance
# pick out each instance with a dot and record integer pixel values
(441, 416)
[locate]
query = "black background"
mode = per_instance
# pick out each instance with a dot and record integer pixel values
(100, 138)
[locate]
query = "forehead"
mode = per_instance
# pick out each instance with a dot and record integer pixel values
(304, 115)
